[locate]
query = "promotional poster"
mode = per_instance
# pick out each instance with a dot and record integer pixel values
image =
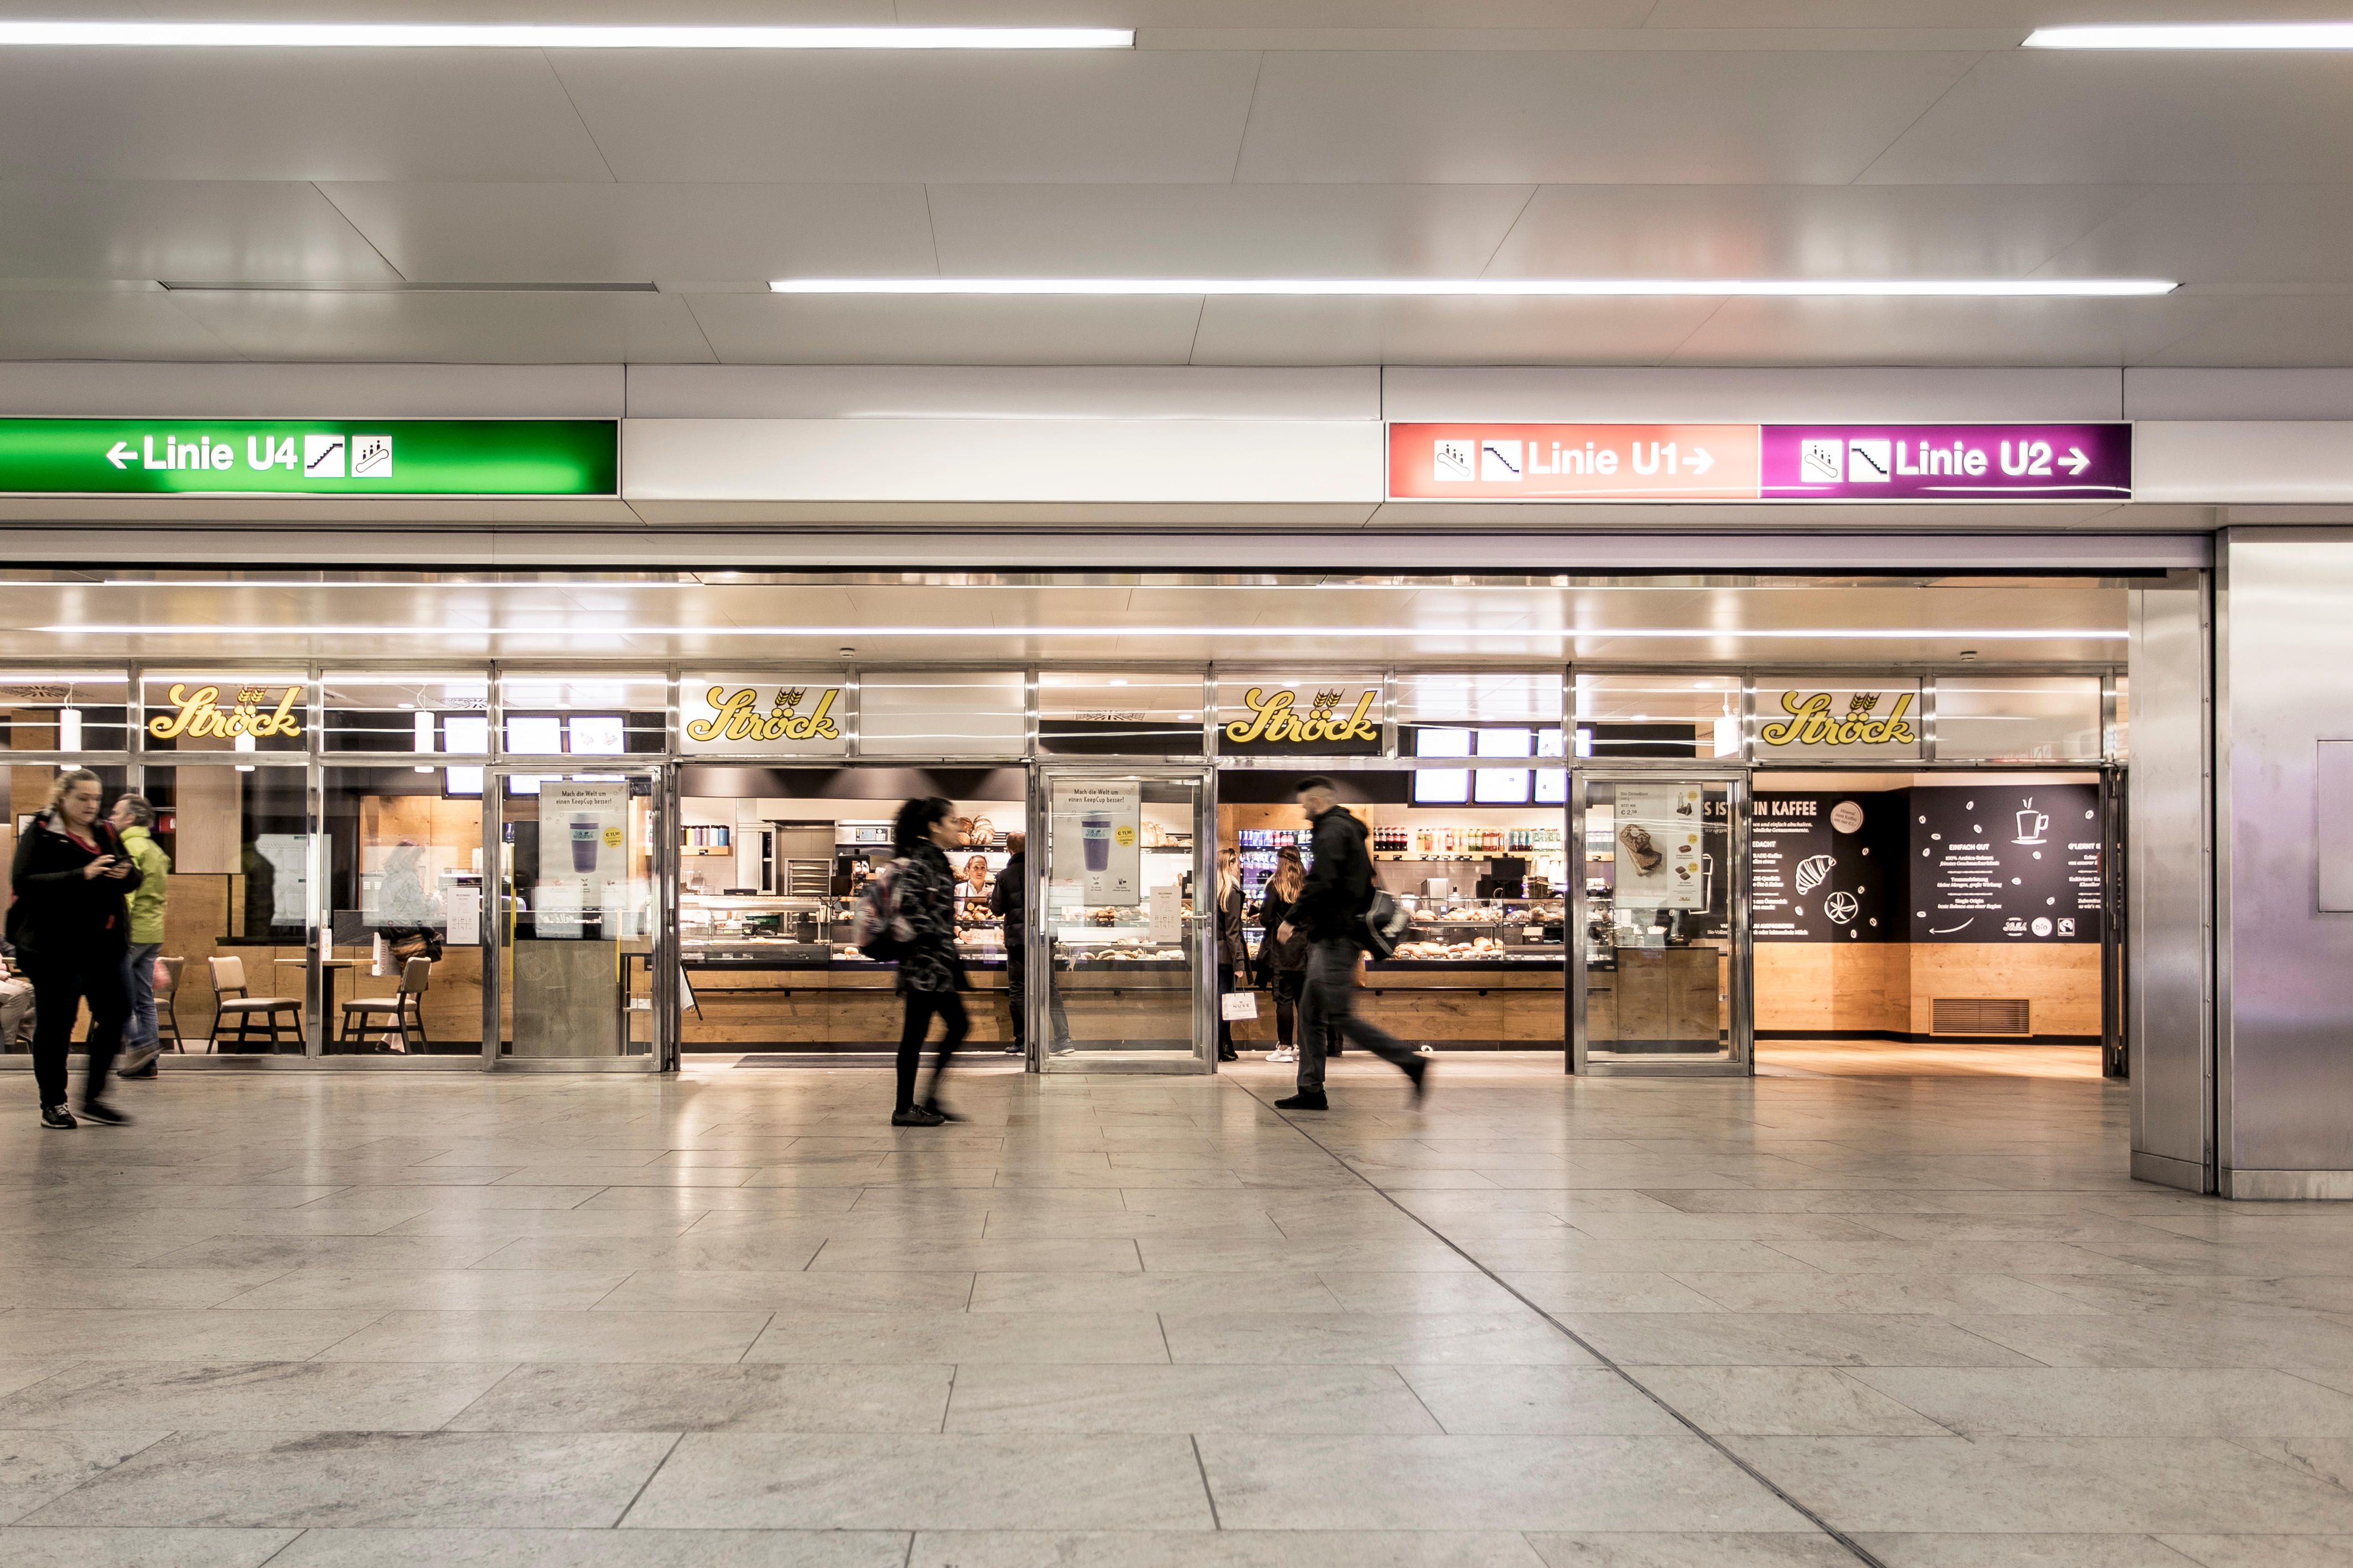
(1098, 840)
(1657, 830)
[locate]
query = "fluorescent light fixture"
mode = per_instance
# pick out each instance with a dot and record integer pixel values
(1319, 634)
(2197, 36)
(448, 35)
(1506, 287)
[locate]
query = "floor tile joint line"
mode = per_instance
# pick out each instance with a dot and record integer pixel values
(1861, 1554)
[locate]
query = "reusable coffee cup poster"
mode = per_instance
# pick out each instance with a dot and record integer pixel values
(1656, 840)
(1099, 840)
(581, 851)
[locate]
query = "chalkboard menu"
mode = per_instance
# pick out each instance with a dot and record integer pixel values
(1824, 865)
(2005, 863)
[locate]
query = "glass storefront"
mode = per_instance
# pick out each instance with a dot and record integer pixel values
(601, 867)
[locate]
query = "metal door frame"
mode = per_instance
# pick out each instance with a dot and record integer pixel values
(1741, 1041)
(498, 914)
(1036, 950)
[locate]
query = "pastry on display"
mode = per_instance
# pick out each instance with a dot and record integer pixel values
(1637, 840)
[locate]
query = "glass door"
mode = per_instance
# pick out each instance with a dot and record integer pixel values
(1659, 922)
(584, 973)
(1122, 922)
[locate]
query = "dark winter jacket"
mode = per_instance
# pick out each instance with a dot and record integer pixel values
(58, 909)
(1340, 885)
(1233, 951)
(924, 888)
(1010, 899)
(1276, 956)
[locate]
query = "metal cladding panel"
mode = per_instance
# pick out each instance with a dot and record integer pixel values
(2285, 1078)
(2169, 888)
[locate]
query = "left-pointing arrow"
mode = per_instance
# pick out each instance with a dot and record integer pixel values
(121, 453)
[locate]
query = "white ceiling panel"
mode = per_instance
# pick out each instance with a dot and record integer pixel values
(1210, 231)
(1584, 118)
(38, 324)
(1970, 13)
(2265, 237)
(1946, 332)
(1137, 117)
(1800, 231)
(870, 13)
(2132, 118)
(285, 114)
(606, 233)
(451, 329)
(179, 229)
(770, 329)
(1445, 331)
(2285, 330)
(1417, 13)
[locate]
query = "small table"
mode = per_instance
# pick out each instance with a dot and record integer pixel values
(327, 1011)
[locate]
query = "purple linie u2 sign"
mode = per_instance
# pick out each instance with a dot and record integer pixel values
(1948, 462)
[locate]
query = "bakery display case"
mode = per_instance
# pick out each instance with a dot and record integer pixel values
(752, 932)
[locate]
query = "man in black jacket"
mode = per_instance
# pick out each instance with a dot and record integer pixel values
(1009, 899)
(1332, 908)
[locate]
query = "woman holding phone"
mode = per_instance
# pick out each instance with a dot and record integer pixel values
(70, 925)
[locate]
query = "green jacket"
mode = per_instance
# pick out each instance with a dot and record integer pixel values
(147, 898)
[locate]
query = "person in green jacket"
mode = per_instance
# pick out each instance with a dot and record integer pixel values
(135, 820)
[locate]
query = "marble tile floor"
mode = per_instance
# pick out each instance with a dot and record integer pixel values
(735, 1317)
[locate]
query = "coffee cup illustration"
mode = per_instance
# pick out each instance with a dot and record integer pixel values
(2031, 825)
(1094, 838)
(584, 841)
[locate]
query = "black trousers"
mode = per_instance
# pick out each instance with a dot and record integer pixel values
(1017, 993)
(60, 981)
(922, 1006)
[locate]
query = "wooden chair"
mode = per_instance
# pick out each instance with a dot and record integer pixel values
(406, 1005)
(230, 1000)
(167, 1006)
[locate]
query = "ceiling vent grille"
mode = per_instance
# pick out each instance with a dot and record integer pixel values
(1978, 1015)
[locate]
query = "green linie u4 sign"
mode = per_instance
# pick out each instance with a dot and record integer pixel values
(311, 457)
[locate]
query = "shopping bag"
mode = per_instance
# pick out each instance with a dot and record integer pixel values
(1235, 1006)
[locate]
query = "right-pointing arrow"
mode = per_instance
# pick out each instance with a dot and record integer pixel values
(2075, 461)
(1701, 462)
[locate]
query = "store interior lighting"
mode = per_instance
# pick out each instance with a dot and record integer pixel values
(450, 35)
(2197, 36)
(1506, 287)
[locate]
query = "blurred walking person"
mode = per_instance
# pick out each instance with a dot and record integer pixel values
(1331, 910)
(1010, 899)
(133, 821)
(70, 926)
(931, 974)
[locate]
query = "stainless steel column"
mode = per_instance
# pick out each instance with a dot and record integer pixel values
(2169, 962)
(2283, 1074)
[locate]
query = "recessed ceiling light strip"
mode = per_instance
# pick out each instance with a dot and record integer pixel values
(441, 36)
(2197, 36)
(609, 630)
(1506, 287)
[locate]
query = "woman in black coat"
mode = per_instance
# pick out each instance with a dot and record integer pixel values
(70, 926)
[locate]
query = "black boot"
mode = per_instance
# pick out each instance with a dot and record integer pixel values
(1305, 1099)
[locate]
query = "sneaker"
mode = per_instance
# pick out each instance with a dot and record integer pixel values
(140, 1063)
(141, 1072)
(1284, 1054)
(1418, 1071)
(1305, 1099)
(105, 1115)
(56, 1116)
(918, 1116)
(1013, 1050)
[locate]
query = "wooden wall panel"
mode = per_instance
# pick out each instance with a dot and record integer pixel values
(2060, 981)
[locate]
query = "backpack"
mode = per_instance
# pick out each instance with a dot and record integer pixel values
(878, 929)
(1385, 920)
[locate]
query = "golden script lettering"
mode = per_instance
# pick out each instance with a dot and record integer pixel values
(1811, 724)
(1274, 721)
(200, 715)
(737, 717)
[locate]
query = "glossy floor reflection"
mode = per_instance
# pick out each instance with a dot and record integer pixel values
(735, 1317)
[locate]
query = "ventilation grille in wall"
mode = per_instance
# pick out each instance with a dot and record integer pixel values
(1978, 1015)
